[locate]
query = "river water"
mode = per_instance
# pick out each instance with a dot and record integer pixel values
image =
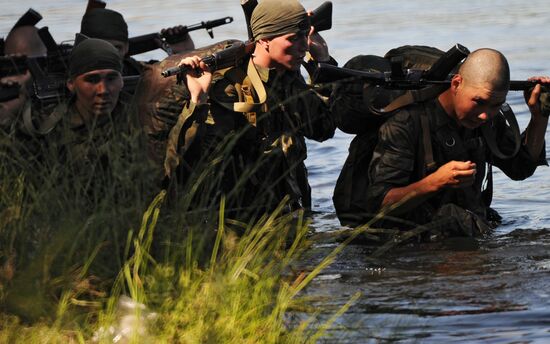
(493, 290)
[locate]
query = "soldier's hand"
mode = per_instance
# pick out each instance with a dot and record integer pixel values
(317, 46)
(454, 174)
(184, 44)
(198, 78)
(538, 99)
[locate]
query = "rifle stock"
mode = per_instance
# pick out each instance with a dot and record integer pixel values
(93, 4)
(248, 7)
(153, 41)
(30, 18)
(321, 17)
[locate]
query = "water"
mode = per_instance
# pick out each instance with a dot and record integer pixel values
(495, 290)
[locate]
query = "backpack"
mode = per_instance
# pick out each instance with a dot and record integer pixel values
(361, 108)
(358, 107)
(357, 104)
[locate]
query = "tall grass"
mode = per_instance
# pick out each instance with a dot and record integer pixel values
(89, 257)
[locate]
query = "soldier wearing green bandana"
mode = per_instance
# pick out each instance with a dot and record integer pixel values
(110, 25)
(88, 132)
(258, 114)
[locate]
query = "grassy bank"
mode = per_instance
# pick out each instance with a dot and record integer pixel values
(93, 259)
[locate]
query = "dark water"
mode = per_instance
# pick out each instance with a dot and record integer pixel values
(495, 290)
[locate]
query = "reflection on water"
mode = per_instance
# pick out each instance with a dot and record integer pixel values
(496, 292)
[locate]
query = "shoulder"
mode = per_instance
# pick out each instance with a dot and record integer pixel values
(225, 84)
(403, 118)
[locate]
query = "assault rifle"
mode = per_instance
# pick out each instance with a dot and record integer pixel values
(410, 79)
(414, 79)
(152, 41)
(48, 80)
(49, 73)
(235, 53)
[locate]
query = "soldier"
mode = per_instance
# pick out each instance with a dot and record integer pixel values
(21, 40)
(110, 25)
(88, 132)
(257, 115)
(450, 196)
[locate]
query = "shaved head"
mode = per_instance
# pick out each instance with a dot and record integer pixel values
(486, 68)
(24, 40)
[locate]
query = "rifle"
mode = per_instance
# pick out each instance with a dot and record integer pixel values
(411, 79)
(152, 41)
(248, 7)
(30, 18)
(236, 52)
(414, 79)
(49, 73)
(233, 55)
(93, 4)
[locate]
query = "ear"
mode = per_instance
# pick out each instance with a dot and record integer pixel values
(264, 43)
(456, 82)
(70, 85)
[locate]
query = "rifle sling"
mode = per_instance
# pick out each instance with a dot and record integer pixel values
(418, 96)
(258, 86)
(414, 96)
(490, 138)
(429, 162)
(45, 126)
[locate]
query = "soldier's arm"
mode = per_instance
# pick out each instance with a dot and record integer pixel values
(539, 106)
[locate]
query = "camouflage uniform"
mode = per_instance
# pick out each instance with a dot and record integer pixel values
(266, 158)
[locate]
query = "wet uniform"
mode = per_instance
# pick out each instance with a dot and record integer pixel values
(398, 160)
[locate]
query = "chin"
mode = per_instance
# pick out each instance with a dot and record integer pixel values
(470, 125)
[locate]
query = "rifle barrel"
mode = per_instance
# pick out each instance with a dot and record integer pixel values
(148, 42)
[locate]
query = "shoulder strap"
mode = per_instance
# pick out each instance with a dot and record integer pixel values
(427, 141)
(490, 138)
(414, 96)
(421, 115)
(256, 83)
(45, 126)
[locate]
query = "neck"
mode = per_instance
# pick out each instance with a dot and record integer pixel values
(82, 114)
(446, 101)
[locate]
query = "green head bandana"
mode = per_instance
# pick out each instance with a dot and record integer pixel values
(273, 18)
(93, 54)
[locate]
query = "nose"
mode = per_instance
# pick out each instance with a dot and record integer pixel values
(101, 87)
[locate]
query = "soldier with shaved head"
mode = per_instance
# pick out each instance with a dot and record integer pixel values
(450, 195)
